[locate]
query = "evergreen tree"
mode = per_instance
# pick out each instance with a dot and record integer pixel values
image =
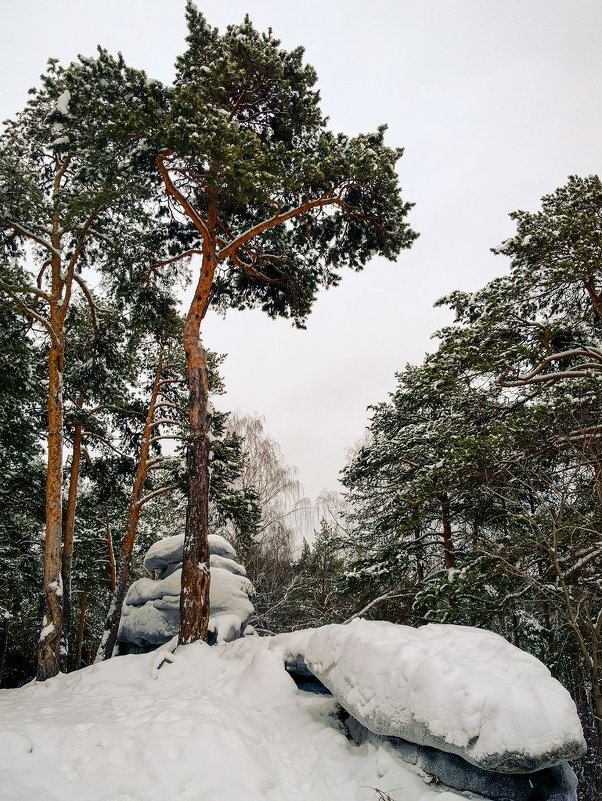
(278, 204)
(68, 200)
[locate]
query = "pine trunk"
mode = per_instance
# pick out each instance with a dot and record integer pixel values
(67, 558)
(48, 662)
(448, 542)
(111, 628)
(83, 611)
(196, 576)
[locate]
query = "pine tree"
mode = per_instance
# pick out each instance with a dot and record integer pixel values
(67, 200)
(278, 205)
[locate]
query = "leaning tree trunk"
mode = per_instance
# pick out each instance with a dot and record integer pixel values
(67, 558)
(111, 628)
(196, 576)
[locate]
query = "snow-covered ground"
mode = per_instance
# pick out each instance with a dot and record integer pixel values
(217, 724)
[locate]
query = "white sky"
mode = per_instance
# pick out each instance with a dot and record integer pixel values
(496, 103)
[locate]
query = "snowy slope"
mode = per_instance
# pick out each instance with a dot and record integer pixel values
(218, 724)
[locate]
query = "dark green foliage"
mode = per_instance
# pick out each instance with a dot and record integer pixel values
(542, 322)
(242, 129)
(503, 421)
(21, 489)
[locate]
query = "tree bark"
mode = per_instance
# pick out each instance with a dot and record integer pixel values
(111, 628)
(67, 558)
(83, 610)
(48, 652)
(448, 542)
(48, 659)
(196, 575)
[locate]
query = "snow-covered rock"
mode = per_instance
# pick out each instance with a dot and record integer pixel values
(165, 556)
(462, 690)
(557, 783)
(151, 613)
(227, 564)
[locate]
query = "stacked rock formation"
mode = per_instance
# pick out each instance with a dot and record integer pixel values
(151, 613)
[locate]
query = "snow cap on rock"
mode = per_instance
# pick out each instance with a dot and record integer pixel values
(168, 552)
(460, 689)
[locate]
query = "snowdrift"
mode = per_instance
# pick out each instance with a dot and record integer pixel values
(228, 722)
(216, 724)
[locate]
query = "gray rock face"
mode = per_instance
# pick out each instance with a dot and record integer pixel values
(557, 783)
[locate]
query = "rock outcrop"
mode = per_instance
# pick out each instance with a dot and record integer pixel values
(557, 783)
(462, 690)
(151, 612)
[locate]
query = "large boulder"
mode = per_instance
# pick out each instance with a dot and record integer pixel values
(151, 612)
(458, 689)
(557, 783)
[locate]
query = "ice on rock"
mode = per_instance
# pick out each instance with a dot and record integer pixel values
(463, 690)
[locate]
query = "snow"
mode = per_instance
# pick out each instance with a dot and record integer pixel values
(46, 632)
(205, 726)
(463, 690)
(226, 564)
(62, 103)
(168, 551)
(152, 608)
(221, 547)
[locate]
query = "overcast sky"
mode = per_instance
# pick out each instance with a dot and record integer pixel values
(496, 102)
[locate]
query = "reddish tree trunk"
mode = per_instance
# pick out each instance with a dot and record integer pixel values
(48, 653)
(111, 629)
(67, 558)
(196, 576)
(48, 660)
